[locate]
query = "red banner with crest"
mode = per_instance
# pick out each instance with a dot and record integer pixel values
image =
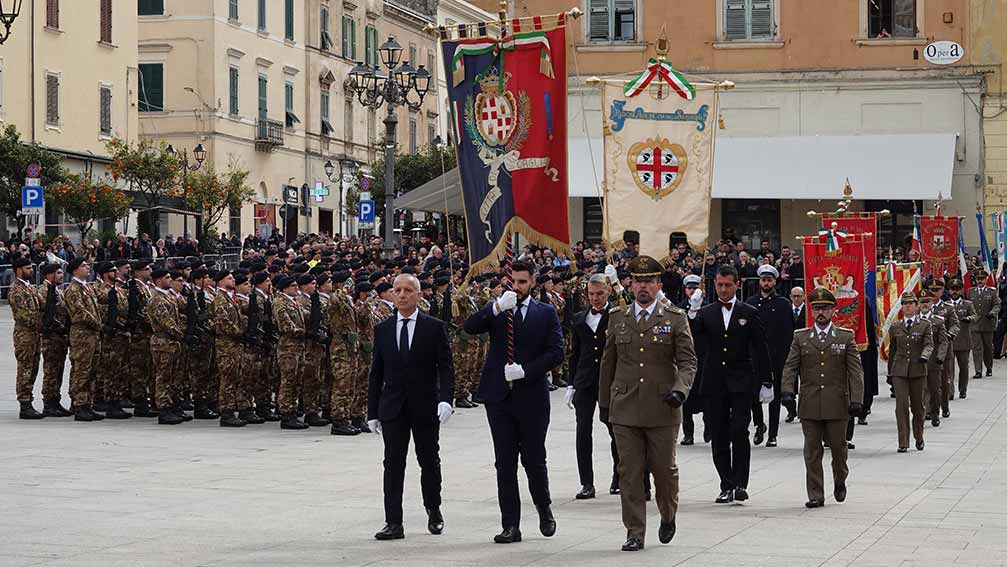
(841, 271)
(939, 243)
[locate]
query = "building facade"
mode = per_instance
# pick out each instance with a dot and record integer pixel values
(988, 41)
(263, 86)
(69, 80)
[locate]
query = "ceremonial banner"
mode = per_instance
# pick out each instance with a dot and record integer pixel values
(841, 272)
(1000, 238)
(508, 104)
(893, 279)
(939, 245)
(659, 133)
(865, 223)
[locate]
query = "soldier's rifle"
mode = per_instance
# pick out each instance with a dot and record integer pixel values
(254, 328)
(135, 309)
(192, 330)
(51, 325)
(316, 331)
(111, 326)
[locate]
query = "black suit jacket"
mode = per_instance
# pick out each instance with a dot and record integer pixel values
(737, 358)
(777, 316)
(587, 348)
(801, 320)
(417, 383)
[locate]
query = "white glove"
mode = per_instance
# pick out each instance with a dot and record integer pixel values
(506, 301)
(513, 372)
(375, 426)
(444, 412)
(765, 395)
(568, 397)
(696, 301)
(612, 274)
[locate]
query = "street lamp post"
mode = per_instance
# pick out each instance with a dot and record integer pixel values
(374, 88)
(199, 153)
(344, 178)
(9, 11)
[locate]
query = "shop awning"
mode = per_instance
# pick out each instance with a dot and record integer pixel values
(883, 167)
(430, 196)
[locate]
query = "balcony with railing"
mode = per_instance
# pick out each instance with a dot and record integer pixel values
(268, 134)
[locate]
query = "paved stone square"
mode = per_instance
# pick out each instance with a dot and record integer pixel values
(132, 493)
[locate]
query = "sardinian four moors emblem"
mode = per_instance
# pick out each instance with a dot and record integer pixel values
(657, 166)
(498, 123)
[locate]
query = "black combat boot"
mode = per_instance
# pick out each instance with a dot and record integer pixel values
(185, 405)
(361, 425)
(179, 410)
(85, 413)
(203, 411)
(28, 411)
(142, 408)
(126, 403)
(116, 412)
(265, 411)
(290, 421)
(54, 409)
(228, 419)
(168, 416)
(249, 416)
(342, 427)
(100, 406)
(315, 420)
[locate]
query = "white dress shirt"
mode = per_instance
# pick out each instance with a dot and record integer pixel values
(410, 330)
(726, 313)
(819, 330)
(593, 320)
(637, 308)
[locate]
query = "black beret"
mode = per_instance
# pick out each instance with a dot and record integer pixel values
(425, 275)
(240, 279)
(74, 264)
(542, 279)
(340, 277)
(557, 279)
(23, 261)
(364, 287)
(46, 268)
(212, 273)
(158, 273)
(256, 267)
(305, 279)
(383, 287)
(141, 264)
(195, 264)
(375, 276)
(301, 268)
(244, 264)
(102, 268)
(199, 273)
(221, 274)
(316, 270)
(322, 279)
(121, 263)
(284, 282)
(443, 280)
(425, 286)
(175, 274)
(259, 277)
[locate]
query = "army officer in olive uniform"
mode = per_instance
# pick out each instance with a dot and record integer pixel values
(832, 389)
(910, 348)
(647, 370)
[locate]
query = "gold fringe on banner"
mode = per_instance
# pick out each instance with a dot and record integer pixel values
(517, 225)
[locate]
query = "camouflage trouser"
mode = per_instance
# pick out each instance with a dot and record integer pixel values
(251, 373)
(359, 406)
(311, 376)
(326, 370)
(54, 349)
(473, 363)
(166, 356)
(141, 377)
(267, 376)
(113, 378)
(84, 352)
(199, 372)
(344, 376)
(229, 368)
(459, 354)
(26, 352)
(289, 355)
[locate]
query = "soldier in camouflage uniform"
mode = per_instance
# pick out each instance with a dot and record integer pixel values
(85, 326)
(366, 319)
(464, 347)
(344, 357)
(225, 320)
(112, 381)
(26, 307)
(141, 367)
(290, 324)
(55, 341)
(265, 378)
(313, 353)
(200, 353)
(167, 333)
(251, 338)
(323, 282)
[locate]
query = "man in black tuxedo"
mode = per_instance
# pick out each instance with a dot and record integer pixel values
(589, 331)
(409, 393)
(736, 365)
(516, 392)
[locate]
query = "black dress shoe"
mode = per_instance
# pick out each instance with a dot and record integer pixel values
(435, 521)
(760, 434)
(771, 442)
(361, 425)
(946, 414)
(961, 396)
(936, 421)
(919, 445)
(726, 497)
(343, 428)
(687, 440)
(28, 411)
(464, 403)
(632, 544)
(740, 494)
(814, 504)
(989, 373)
(840, 492)
(546, 521)
(666, 532)
(903, 449)
(477, 399)
(614, 489)
(790, 417)
(390, 531)
(508, 535)
(850, 446)
(861, 421)
(585, 493)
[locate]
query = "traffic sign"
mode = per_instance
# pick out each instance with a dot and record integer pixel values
(366, 213)
(32, 182)
(290, 195)
(33, 170)
(365, 183)
(32, 198)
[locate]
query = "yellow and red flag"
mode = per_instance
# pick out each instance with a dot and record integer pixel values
(894, 279)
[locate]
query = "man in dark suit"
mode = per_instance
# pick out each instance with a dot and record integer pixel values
(409, 393)
(798, 306)
(589, 331)
(778, 318)
(736, 365)
(516, 391)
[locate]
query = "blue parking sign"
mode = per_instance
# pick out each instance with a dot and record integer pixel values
(32, 198)
(366, 212)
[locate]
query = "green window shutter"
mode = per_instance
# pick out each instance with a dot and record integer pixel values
(762, 19)
(262, 14)
(232, 11)
(367, 45)
(263, 98)
(151, 87)
(353, 39)
(735, 19)
(346, 36)
(233, 92)
(150, 7)
(105, 109)
(598, 20)
(288, 11)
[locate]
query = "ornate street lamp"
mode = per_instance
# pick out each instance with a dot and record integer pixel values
(344, 178)
(374, 88)
(9, 11)
(199, 153)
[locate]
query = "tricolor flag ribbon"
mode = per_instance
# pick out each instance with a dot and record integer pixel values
(479, 46)
(832, 237)
(663, 71)
(891, 269)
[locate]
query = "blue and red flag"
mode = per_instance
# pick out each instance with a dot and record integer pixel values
(984, 248)
(508, 103)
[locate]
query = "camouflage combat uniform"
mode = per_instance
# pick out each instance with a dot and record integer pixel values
(289, 320)
(112, 380)
(26, 306)
(85, 327)
(55, 344)
(344, 355)
(167, 332)
(226, 320)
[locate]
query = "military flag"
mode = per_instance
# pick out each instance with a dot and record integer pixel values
(508, 104)
(841, 271)
(938, 244)
(998, 234)
(865, 223)
(894, 279)
(659, 134)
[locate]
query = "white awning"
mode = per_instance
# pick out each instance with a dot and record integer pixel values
(443, 194)
(883, 167)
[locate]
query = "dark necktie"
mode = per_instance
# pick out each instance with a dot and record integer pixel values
(797, 311)
(909, 325)
(644, 315)
(597, 311)
(821, 336)
(404, 339)
(518, 315)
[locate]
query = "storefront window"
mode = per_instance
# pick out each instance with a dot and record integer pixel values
(752, 220)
